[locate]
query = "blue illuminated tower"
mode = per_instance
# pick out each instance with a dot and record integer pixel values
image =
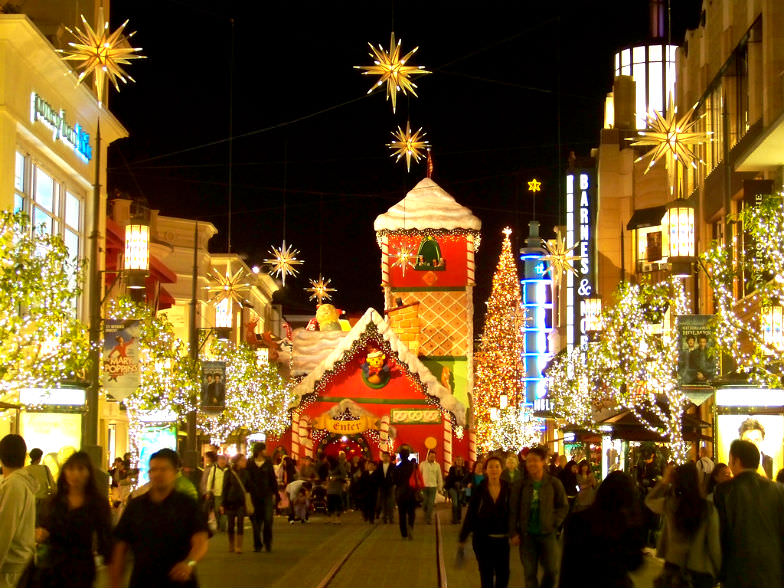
(537, 295)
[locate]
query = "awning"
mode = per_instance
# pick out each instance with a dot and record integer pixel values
(646, 217)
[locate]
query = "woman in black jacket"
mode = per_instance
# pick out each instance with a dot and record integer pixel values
(236, 483)
(487, 518)
(77, 522)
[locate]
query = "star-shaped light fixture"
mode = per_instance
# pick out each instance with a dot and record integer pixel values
(671, 138)
(408, 145)
(229, 286)
(404, 258)
(393, 70)
(320, 290)
(560, 257)
(102, 53)
(534, 186)
(283, 261)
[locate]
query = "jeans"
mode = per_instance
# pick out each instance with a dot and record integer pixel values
(405, 513)
(429, 504)
(217, 502)
(455, 496)
(492, 555)
(535, 550)
(262, 518)
(388, 504)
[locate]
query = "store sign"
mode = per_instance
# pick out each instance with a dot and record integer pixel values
(580, 222)
(74, 136)
(52, 396)
(344, 427)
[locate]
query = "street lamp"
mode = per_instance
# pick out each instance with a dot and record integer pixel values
(678, 226)
(772, 322)
(223, 319)
(137, 253)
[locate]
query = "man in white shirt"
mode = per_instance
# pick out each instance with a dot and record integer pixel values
(215, 489)
(434, 482)
(705, 467)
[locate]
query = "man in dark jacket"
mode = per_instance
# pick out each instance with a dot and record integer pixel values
(751, 518)
(405, 494)
(386, 471)
(537, 511)
(264, 486)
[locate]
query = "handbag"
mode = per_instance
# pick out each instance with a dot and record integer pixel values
(249, 509)
(416, 482)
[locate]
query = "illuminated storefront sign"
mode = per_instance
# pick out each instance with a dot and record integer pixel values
(580, 220)
(74, 136)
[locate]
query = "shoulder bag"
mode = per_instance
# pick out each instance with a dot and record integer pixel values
(249, 510)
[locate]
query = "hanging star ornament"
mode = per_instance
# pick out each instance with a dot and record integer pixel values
(102, 53)
(560, 258)
(283, 261)
(534, 186)
(672, 139)
(404, 258)
(229, 286)
(393, 70)
(408, 145)
(320, 290)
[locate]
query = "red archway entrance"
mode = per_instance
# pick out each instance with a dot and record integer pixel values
(352, 445)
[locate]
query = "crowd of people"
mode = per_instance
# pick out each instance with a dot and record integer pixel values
(709, 522)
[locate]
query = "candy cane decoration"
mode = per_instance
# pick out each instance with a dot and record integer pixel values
(471, 446)
(304, 436)
(295, 434)
(383, 434)
(470, 258)
(447, 441)
(385, 260)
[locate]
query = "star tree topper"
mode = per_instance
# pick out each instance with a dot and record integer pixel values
(393, 70)
(283, 261)
(228, 286)
(320, 290)
(408, 144)
(534, 186)
(102, 53)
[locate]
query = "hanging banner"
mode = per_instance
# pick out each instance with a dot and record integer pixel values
(698, 357)
(213, 386)
(120, 358)
(327, 423)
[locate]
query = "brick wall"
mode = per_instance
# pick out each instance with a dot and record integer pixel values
(405, 322)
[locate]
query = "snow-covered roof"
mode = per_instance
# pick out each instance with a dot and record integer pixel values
(310, 349)
(434, 388)
(427, 206)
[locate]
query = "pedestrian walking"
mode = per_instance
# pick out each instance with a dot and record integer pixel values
(386, 470)
(46, 485)
(236, 489)
(336, 484)
(586, 482)
(689, 541)
(164, 529)
(537, 511)
(454, 485)
(568, 478)
(474, 477)
(751, 518)
(215, 483)
(307, 471)
(434, 483)
(17, 511)
(720, 474)
(705, 467)
(512, 474)
(487, 518)
(77, 519)
(263, 488)
(406, 478)
(607, 538)
(367, 493)
(210, 459)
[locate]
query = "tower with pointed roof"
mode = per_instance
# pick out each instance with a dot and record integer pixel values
(428, 242)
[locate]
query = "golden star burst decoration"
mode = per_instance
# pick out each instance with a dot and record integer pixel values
(102, 53)
(404, 258)
(534, 186)
(408, 144)
(560, 257)
(320, 290)
(671, 138)
(228, 286)
(283, 261)
(393, 70)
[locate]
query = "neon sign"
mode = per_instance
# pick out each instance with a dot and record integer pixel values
(579, 220)
(74, 136)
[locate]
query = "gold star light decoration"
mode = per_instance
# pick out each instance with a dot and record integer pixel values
(671, 138)
(102, 53)
(408, 144)
(560, 257)
(320, 290)
(229, 286)
(393, 70)
(534, 186)
(283, 261)
(404, 258)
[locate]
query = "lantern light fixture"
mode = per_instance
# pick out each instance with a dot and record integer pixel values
(678, 229)
(772, 323)
(137, 253)
(593, 316)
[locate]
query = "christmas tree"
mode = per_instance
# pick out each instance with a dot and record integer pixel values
(498, 363)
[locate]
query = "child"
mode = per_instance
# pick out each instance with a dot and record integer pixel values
(301, 502)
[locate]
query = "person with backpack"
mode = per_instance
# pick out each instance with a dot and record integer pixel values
(408, 483)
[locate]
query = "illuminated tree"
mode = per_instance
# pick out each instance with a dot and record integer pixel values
(498, 363)
(42, 343)
(258, 398)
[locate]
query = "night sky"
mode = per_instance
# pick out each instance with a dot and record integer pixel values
(306, 134)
